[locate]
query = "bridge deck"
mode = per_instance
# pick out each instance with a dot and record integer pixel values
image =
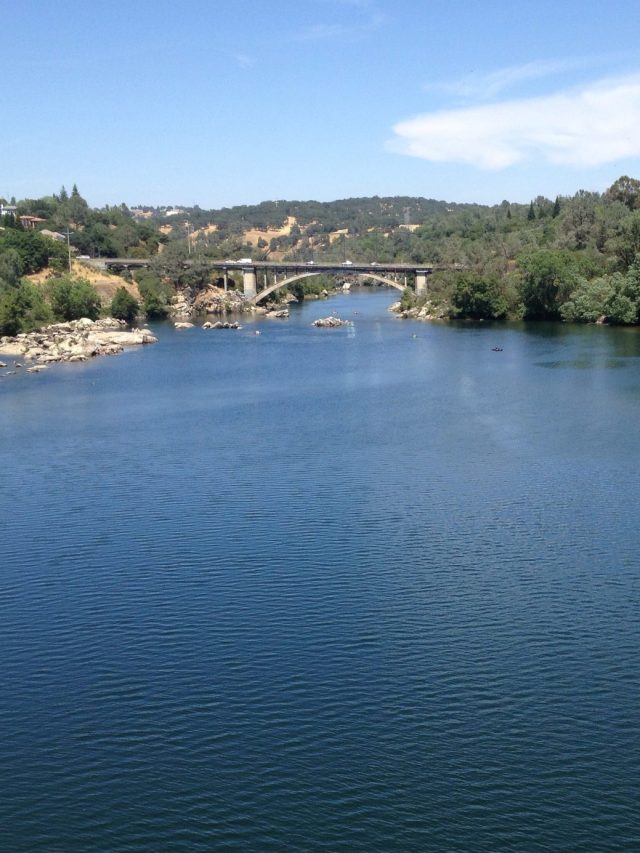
(277, 266)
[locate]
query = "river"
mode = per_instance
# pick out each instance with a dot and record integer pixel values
(373, 588)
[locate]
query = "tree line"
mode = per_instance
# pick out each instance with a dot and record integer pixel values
(572, 258)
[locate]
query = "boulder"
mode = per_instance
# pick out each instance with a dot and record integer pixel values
(331, 322)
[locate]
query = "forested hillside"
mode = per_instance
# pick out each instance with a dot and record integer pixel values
(570, 258)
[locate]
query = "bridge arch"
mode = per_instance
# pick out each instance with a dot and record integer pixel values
(277, 285)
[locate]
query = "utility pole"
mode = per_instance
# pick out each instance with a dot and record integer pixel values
(69, 248)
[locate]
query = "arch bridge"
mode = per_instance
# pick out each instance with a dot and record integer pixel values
(262, 278)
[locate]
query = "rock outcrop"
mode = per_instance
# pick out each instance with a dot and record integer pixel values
(331, 322)
(211, 300)
(77, 340)
(428, 311)
(221, 325)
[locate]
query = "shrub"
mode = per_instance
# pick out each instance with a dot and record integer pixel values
(73, 298)
(124, 306)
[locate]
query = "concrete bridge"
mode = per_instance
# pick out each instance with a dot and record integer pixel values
(262, 278)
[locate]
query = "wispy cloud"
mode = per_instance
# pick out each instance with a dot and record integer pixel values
(244, 60)
(490, 85)
(585, 127)
(344, 31)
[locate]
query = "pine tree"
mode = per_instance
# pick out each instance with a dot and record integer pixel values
(531, 213)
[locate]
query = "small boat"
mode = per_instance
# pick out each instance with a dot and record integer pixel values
(496, 349)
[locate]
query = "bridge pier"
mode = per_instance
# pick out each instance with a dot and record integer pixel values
(249, 284)
(421, 282)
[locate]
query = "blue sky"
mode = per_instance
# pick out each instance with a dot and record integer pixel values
(238, 101)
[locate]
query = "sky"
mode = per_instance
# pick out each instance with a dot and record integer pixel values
(225, 102)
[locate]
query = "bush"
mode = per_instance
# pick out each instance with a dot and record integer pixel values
(124, 306)
(156, 295)
(22, 308)
(478, 297)
(73, 298)
(32, 249)
(408, 299)
(589, 301)
(9, 315)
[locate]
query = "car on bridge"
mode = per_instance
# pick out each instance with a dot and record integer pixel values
(346, 264)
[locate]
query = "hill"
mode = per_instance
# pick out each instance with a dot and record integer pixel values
(571, 257)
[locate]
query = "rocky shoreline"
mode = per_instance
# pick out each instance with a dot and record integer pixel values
(189, 304)
(77, 340)
(428, 311)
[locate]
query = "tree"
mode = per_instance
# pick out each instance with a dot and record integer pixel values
(548, 278)
(626, 190)
(9, 314)
(33, 310)
(156, 294)
(408, 299)
(624, 306)
(478, 297)
(33, 249)
(124, 306)
(77, 208)
(589, 301)
(73, 298)
(627, 243)
(10, 267)
(531, 213)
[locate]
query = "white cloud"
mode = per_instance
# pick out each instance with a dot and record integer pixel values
(244, 60)
(586, 127)
(317, 32)
(492, 84)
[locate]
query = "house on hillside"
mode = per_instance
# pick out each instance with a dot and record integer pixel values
(30, 223)
(8, 210)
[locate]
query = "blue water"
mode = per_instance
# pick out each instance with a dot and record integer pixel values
(340, 590)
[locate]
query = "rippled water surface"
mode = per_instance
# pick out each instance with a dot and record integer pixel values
(331, 590)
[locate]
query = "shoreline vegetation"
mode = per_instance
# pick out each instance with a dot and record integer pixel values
(575, 259)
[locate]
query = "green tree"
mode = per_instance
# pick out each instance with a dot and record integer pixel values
(624, 307)
(626, 244)
(72, 298)
(9, 313)
(77, 208)
(626, 190)
(589, 302)
(156, 294)
(32, 248)
(408, 299)
(10, 267)
(478, 297)
(547, 280)
(124, 306)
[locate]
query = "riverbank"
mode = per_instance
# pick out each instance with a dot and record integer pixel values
(426, 312)
(76, 340)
